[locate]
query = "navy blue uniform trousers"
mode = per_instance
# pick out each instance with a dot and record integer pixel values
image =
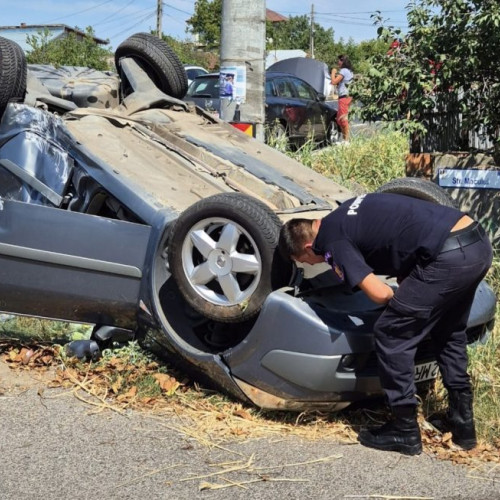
(435, 299)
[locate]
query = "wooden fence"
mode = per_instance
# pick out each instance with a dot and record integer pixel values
(446, 131)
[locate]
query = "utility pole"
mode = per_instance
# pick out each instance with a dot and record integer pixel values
(159, 16)
(311, 40)
(243, 44)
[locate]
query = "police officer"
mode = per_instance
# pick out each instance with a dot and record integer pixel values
(439, 255)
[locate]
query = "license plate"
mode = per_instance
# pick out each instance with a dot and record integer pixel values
(426, 371)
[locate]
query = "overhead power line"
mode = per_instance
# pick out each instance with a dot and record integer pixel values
(351, 13)
(120, 19)
(178, 10)
(129, 28)
(113, 15)
(81, 11)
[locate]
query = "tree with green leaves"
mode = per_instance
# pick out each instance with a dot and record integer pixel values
(362, 53)
(206, 22)
(295, 33)
(68, 51)
(446, 62)
(189, 53)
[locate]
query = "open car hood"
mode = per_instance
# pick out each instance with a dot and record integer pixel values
(312, 71)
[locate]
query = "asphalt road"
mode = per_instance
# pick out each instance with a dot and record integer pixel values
(52, 447)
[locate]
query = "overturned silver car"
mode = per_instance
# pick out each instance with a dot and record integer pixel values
(154, 220)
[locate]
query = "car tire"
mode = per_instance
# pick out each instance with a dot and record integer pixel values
(418, 188)
(13, 73)
(158, 60)
(333, 133)
(207, 243)
(22, 72)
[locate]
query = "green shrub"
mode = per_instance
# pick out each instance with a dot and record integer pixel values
(367, 161)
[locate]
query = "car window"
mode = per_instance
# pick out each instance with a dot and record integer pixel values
(204, 86)
(304, 90)
(270, 88)
(192, 73)
(283, 87)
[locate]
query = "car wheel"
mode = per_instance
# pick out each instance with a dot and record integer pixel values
(158, 60)
(277, 137)
(220, 253)
(22, 72)
(418, 188)
(13, 71)
(333, 134)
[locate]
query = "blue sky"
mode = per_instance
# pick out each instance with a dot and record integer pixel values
(117, 19)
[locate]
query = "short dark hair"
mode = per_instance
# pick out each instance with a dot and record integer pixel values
(294, 234)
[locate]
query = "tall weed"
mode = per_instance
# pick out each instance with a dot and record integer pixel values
(367, 162)
(484, 367)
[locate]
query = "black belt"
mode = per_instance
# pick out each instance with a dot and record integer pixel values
(462, 239)
(342, 96)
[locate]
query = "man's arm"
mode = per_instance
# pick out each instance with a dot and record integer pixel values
(376, 289)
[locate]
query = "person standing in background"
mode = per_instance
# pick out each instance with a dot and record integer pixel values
(342, 78)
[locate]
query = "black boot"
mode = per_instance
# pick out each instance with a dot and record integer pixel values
(460, 418)
(400, 434)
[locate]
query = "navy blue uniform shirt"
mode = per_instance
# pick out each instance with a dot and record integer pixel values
(382, 233)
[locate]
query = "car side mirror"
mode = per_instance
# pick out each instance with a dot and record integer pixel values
(321, 97)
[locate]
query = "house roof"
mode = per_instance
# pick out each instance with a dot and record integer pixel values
(274, 17)
(52, 27)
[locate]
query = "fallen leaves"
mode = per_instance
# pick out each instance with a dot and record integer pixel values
(129, 395)
(240, 412)
(126, 384)
(441, 446)
(167, 383)
(31, 357)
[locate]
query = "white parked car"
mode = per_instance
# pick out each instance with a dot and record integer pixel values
(194, 71)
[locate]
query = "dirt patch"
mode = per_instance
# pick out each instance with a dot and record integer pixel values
(15, 373)
(17, 380)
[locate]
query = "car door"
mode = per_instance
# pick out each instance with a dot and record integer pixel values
(314, 123)
(67, 265)
(282, 105)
